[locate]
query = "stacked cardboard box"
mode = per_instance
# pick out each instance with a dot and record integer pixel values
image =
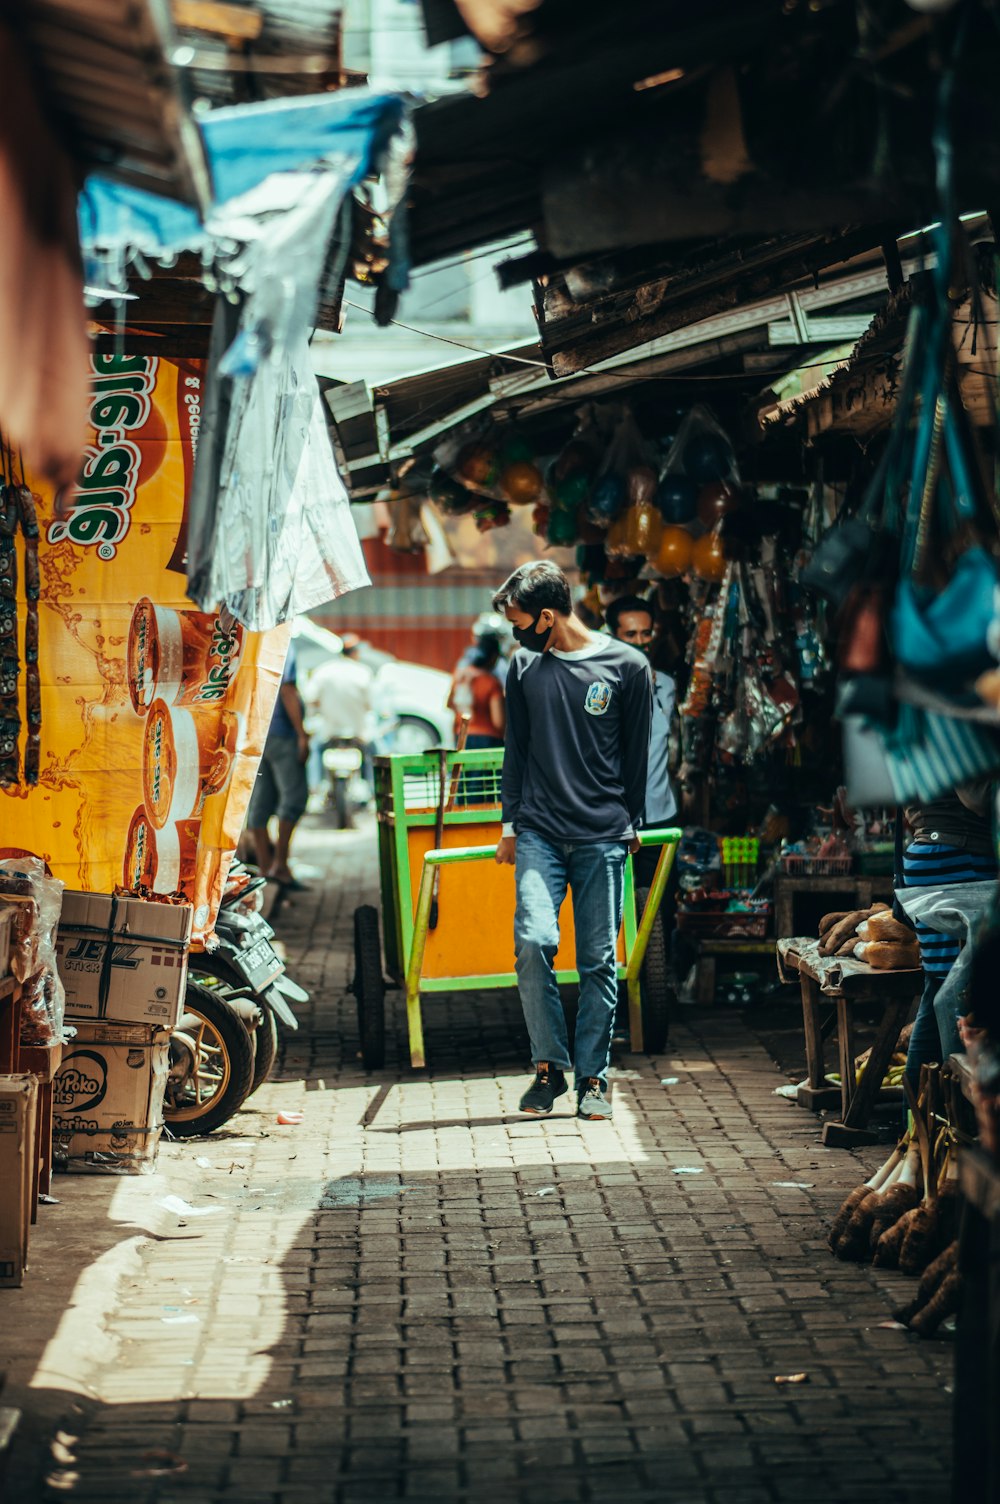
(123, 962)
(17, 1173)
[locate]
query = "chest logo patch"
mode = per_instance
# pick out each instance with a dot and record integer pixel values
(598, 698)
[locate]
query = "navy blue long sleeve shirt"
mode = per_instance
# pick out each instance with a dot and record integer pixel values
(577, 743)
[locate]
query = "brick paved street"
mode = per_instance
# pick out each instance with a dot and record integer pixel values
(418, 1295)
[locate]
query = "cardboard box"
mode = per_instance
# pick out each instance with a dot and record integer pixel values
(123, 959)
(18, 1104)
(107, 1113)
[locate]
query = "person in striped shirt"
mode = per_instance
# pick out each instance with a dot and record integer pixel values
(951, 841)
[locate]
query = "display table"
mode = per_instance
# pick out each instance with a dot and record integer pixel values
(708, 950)
(849, 892)
(976, 1403)
(846, 983)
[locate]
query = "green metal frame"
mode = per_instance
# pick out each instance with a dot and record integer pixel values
(405, 931)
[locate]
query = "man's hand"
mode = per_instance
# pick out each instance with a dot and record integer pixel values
(634, 845)
(507, 851)
(303, 744)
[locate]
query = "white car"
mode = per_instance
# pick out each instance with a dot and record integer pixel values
(408, 699)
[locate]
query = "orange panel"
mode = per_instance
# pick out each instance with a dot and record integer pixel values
(475, 930)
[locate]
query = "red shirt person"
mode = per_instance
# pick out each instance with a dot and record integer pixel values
(476, 692)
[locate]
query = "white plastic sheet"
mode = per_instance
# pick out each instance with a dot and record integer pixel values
(955, 909)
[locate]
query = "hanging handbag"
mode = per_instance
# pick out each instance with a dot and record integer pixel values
(942, 636)
(939, 632)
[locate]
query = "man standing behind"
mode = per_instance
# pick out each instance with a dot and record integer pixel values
(630, 619)
(574, 783)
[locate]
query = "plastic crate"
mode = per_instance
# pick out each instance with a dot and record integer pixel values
(736, 924)
(798, 864)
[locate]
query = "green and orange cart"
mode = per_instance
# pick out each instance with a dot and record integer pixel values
(447, 908)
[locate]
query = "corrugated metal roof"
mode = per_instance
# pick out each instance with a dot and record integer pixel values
(104, 71)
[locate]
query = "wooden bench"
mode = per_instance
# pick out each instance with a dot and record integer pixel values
(846, 983)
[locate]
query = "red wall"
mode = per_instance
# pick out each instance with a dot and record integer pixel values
(418, 617)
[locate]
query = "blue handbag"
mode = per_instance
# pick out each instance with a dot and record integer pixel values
(939, 635)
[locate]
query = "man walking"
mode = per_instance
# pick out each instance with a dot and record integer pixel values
(574, 783)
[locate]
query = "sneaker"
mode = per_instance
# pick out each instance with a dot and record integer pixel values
(592, 1100)
(541, 1094)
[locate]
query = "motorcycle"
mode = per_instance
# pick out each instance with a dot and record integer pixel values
(347, 791)
(226, 1043)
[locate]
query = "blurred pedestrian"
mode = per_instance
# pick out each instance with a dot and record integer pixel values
(476, 692)
(281, 787)
(491, 624)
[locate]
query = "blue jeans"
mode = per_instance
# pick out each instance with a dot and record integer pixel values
(925, 1040)
(595, 875)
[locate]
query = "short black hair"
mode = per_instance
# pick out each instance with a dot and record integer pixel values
(536, 587)
(624, 603)
(486, 650)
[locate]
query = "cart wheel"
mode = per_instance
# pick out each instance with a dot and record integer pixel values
(654, 980)
(369, 987)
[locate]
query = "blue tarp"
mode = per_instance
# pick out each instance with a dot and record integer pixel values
(244, 144)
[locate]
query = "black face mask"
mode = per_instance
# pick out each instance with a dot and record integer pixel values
(531, 638)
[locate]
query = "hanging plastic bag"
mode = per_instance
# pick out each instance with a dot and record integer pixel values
(626, 476)
(702, 451)
(36, 899)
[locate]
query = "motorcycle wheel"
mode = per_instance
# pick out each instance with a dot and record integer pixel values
(369, 987)
(211, 1065)
(342, 805)
(656, 991)
(265, 1052)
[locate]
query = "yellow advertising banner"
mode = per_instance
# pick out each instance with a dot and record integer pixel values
(152, 715)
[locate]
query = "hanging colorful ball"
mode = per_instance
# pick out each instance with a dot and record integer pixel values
(708, 558)
(477, 463)
(540, 520)
(715, 501)
(673, 557)
(571, 491)
(617, 543)
(606, 499)
(521, 482)
(708, 456)
(677, 498)
(562, 528)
